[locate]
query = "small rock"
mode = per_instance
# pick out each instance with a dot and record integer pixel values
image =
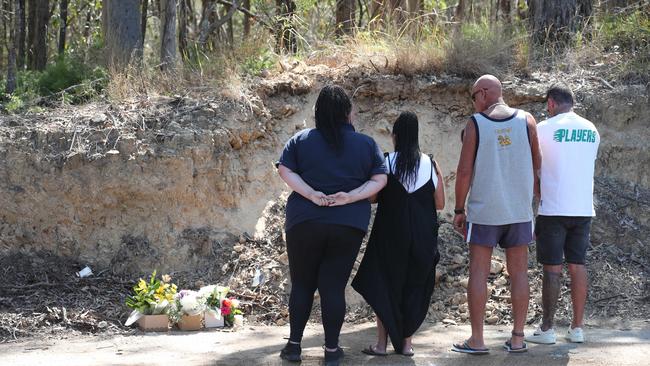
(464, 282)
(103, 324)
(449, 321)
(242, 239)
(458, 259)
(500, 281)
(284, 258)
(495, 267)
(280, 322)
(238, 248)
(463, 316)
(98, 119)
(492, 319)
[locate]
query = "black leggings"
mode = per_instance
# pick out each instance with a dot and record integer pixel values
(320, 257)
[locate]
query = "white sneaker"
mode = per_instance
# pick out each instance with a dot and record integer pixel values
(576, 335)
(542, 337)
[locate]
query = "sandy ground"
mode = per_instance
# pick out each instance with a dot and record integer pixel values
(627, 345)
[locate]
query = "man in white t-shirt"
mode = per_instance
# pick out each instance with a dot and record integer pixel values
(569, 145)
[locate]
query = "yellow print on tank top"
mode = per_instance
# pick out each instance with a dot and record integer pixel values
(503, 136)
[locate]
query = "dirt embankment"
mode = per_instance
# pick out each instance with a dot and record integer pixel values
(187, 185)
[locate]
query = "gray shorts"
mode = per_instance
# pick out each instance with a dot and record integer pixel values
(507, 236)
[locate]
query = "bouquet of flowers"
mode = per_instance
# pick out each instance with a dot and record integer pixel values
(214, 295)
(230, 308)
(151, 297)
(189, 302)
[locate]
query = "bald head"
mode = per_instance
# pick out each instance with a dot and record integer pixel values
(486, 91)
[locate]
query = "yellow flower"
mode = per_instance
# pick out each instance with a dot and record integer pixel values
(142, 285)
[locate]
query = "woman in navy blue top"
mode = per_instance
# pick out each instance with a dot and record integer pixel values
(332, 171)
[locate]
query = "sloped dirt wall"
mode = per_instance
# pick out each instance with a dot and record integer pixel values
(172, 183)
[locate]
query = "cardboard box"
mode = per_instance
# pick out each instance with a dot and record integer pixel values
(191, 322)
(154, 323)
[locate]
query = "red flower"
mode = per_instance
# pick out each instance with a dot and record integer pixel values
(226, 303)
(225, 311)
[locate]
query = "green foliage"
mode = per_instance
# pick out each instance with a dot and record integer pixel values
(153, 296)
(66, 80)
(254, 64)
(629, 35)
(75, 81)
(626, 32)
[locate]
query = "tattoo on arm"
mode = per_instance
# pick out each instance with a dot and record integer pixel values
(363, 186)
(551, 287)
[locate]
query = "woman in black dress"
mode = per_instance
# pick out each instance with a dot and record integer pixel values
(397, 273)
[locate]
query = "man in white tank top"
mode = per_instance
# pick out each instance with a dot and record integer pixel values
(497, 166)
(569, 145)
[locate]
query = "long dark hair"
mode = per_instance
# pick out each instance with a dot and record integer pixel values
(407, 148)
(332, 111)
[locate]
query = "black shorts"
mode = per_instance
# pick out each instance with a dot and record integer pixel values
(562, 238)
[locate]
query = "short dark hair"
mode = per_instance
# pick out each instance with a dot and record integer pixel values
(561, 94)
(333, 108)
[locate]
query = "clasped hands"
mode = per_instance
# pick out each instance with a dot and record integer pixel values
(336, 199)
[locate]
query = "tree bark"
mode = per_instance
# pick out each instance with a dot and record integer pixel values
(20, 35)
(39, 17)
(64, 25)
(11, 49)
(285, 32)
(122, 32)
(460, 11)
(345, 16)
(182, 28)
(5, 14)
(552, 20)
(168, 34)
(247, 19)
(143, 20)
(504, 11)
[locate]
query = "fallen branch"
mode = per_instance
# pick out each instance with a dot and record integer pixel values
(608, 298)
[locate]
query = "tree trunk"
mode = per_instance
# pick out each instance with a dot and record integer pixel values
(5, 14)
(345, 15)
(415, 7)
(552, 20)
(11, 48)
(20, 35)
(122, 32)
(143, 20)
(285, 32)
(39, 17)
(504, 11)
(230, 30)
(64, 25)
(168, 34)
(247, 19)
(460, 11)
(182, 28)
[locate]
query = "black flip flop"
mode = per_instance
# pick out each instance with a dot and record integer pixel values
(508, 347)
(370, 350)
(409, 353)
(465, 348)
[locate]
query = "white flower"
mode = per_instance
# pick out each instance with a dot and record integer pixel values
(205, 291)
(191, 303)
(234, 303)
